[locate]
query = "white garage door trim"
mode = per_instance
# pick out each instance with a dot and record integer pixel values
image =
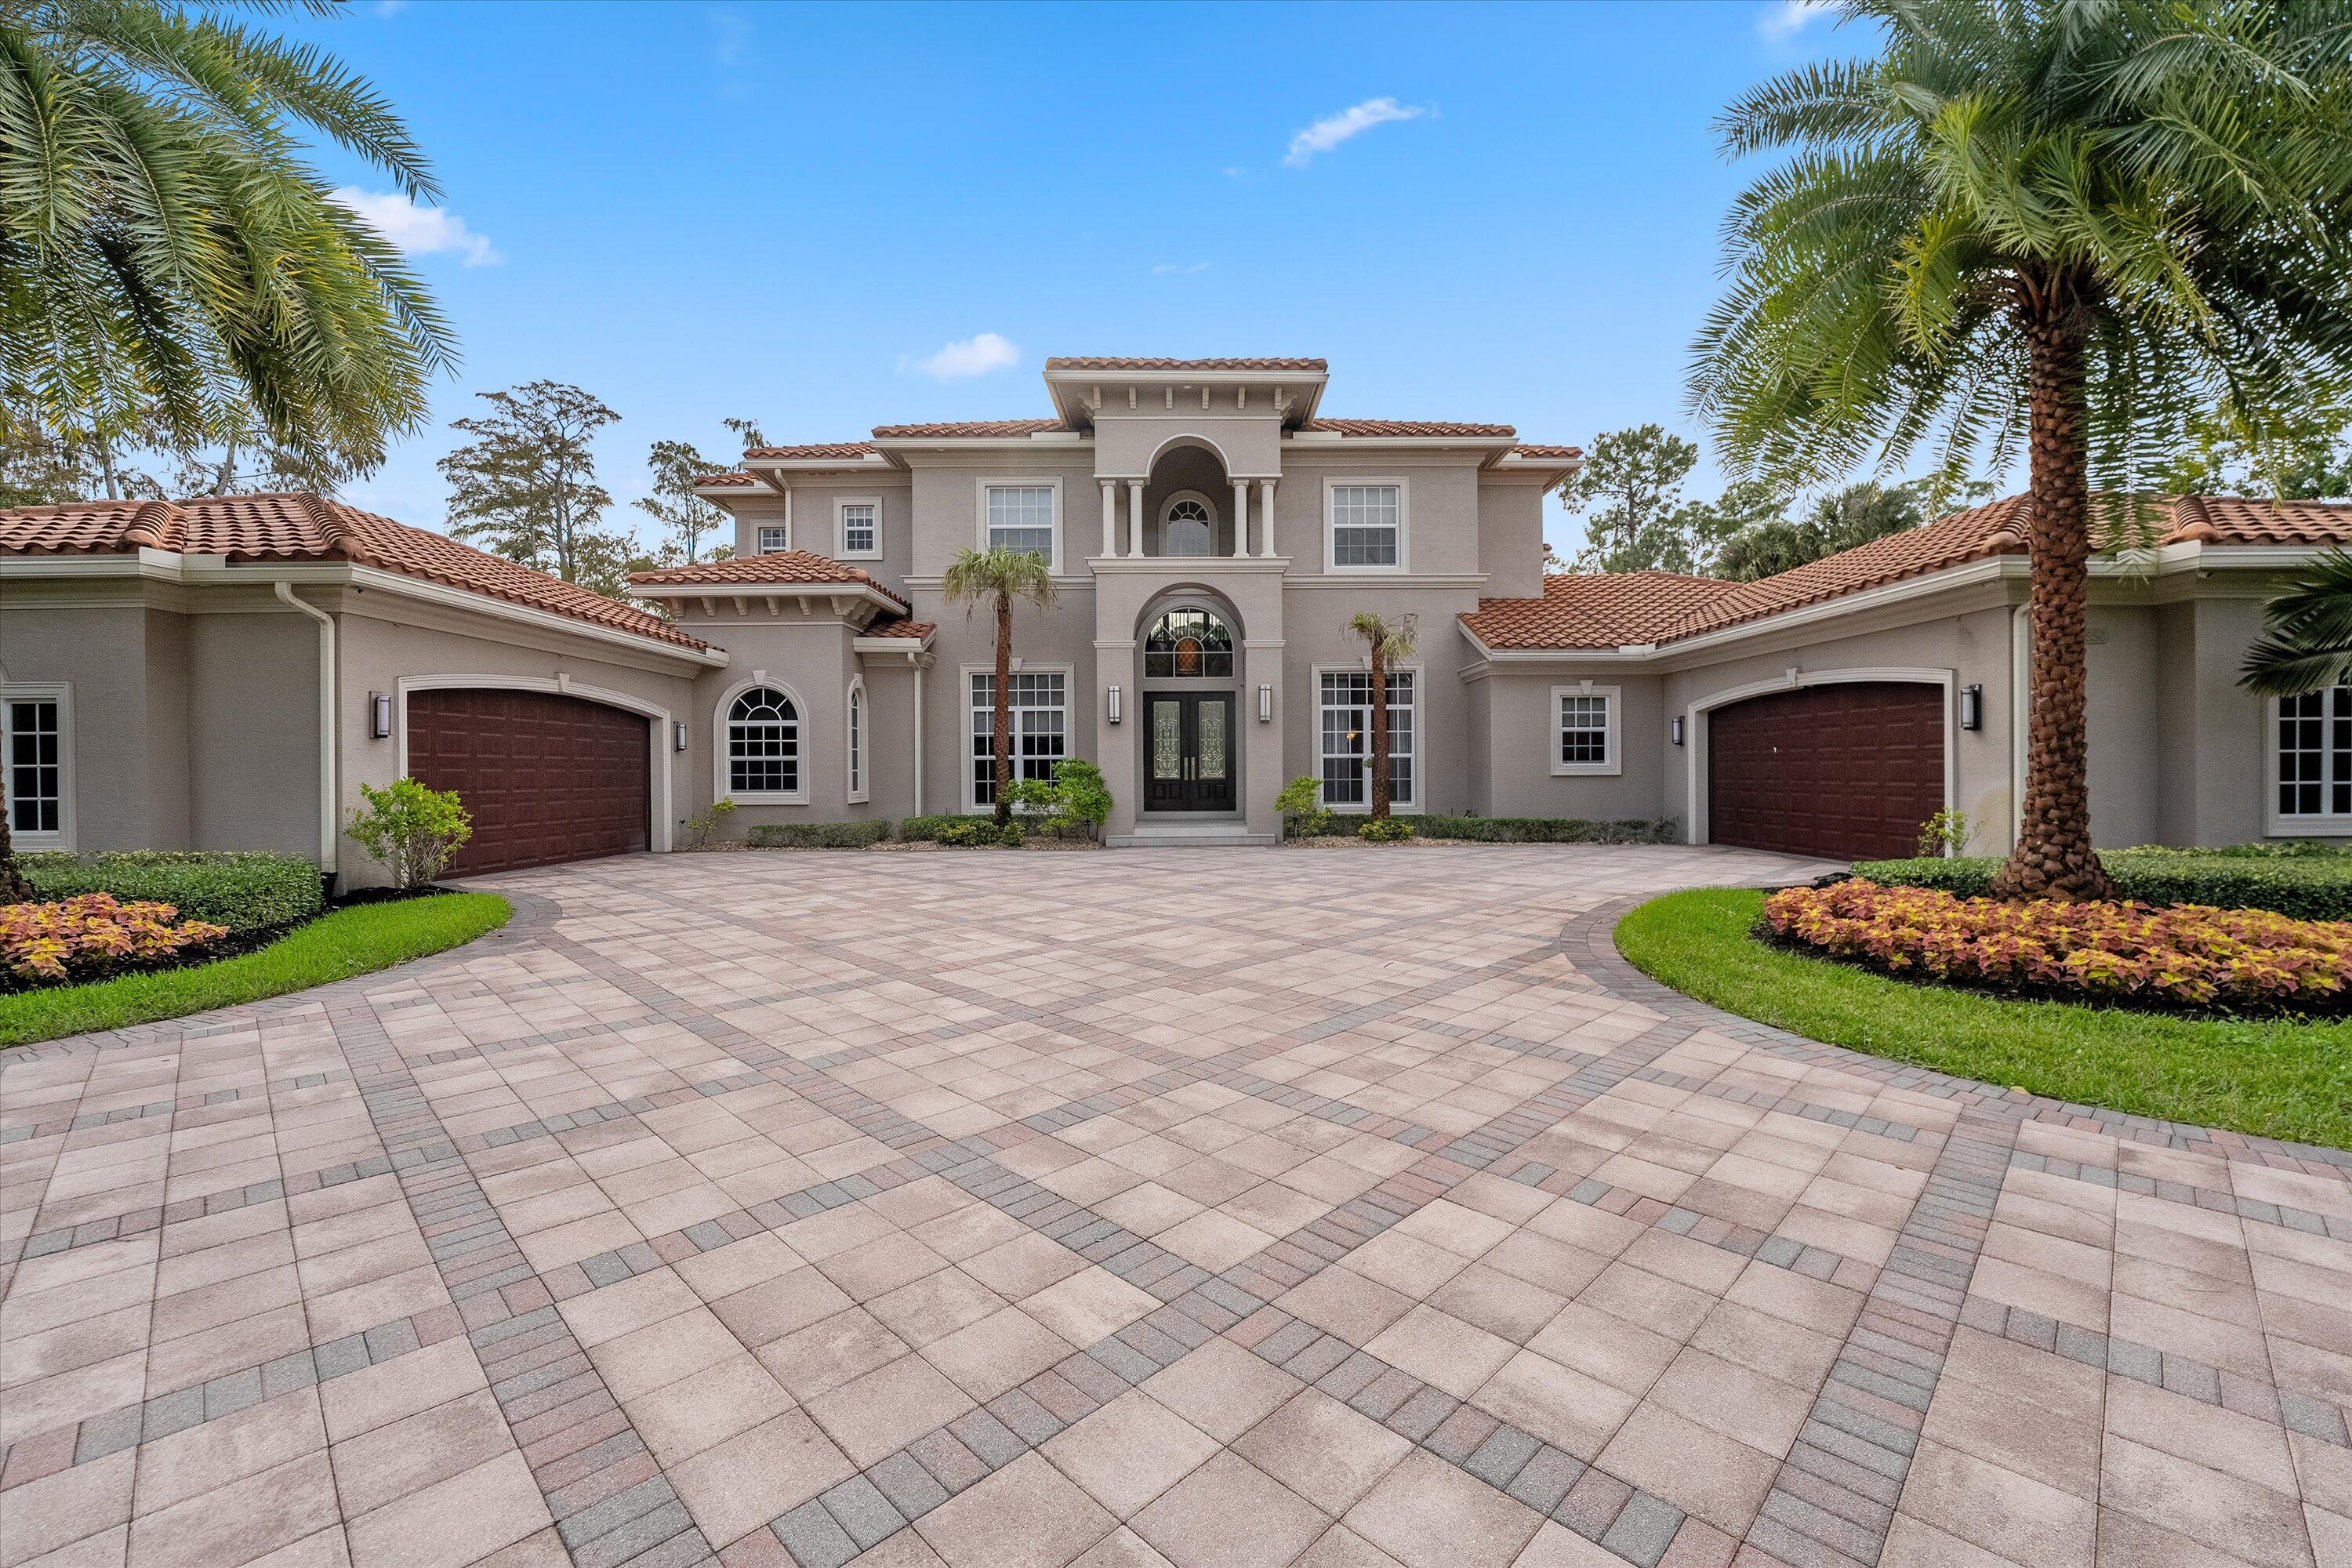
(1794, 679)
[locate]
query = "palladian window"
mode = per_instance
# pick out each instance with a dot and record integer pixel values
(1189, 528)
(763, 744)
(1189, 642)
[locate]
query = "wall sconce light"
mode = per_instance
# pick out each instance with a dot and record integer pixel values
(1111, 708)
(1674, 729)
(678, 737)
(379, 716)
(1971, 707)
(1266, 704)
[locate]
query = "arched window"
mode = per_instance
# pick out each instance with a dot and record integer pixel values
(858, 739)
(1188, 528)
(763, 744)
(1190, 641)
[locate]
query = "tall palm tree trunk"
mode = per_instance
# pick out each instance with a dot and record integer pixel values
(2053, 857)
(1003, 708)
(1379, 733)
(15, 889)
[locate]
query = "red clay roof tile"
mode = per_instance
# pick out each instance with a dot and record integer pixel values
(819, 451)
(967, 429)
(727, 478)
(300, 527)
(1094, 361)
(1405, 428)
(777, 567)
(901, 627)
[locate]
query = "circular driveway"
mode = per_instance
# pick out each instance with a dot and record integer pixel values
(1212, 1207)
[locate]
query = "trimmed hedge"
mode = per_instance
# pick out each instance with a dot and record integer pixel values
(244, 892)
(820, 834)
(1517, 829)
(2307, 885)
(927, 829)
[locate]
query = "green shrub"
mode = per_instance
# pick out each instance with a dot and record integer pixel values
(1011, 835)
(411, 830)
(244, 892)
(1301, 804)
(1945, 833)
(2311, 886)
(1550, 830)
(702, 827)
(928, 829)
(1074, 805)
(964, 832)
(819, 835)
(1385, 830)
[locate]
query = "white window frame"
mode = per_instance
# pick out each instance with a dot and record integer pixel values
(1167, 509)
(760, 532)
(841, 505)
(61, 693)
(1419, 804)
(2280, 823)
(1332, 485)
(968, 790)
(1612, 732)
(857, 731)
(722, 746)
(1019, 481)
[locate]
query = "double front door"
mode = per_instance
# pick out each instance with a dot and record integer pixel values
(1188, 764)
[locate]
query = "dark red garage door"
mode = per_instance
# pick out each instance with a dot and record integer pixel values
(546, 778)
(1844, 772)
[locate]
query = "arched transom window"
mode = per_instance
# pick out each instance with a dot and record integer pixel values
(1190, 641)
(1189, 527)
(763, 744)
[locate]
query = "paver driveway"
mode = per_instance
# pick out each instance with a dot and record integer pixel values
(1219, 1207)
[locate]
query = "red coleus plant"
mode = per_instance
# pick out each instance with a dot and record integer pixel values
(2186, 956)
(91, 936)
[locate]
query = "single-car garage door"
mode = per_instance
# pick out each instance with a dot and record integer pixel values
(546, 778)
(1844, 772)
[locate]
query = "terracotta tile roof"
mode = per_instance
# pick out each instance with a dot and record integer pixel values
(967, 429)
(308, 527)
(777, 567)
(1605, 610)
(1526, 451)
(901, 627)
(1405, 428)
(1088, 362)
(819, 452)
(746, 479)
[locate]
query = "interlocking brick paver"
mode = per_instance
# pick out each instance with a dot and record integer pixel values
(978, 1209)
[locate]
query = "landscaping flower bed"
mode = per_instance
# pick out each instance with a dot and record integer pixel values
(2186, 958)
(91, 936)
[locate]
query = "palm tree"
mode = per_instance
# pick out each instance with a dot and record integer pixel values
(1002, 575)
(13, 887)
(2307, 633)
(1390, 641)
(168, 255)
(2056, 222)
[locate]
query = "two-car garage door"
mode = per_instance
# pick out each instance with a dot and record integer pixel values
(1844, 771)
(546, 777)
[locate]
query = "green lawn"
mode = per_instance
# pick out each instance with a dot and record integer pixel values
(2278, 1079)
(348, 942)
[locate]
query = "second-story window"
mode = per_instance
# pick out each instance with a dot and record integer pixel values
(1189, 528)
(1021, 517)
(775, 540)
(1367, 525)
(861, 528)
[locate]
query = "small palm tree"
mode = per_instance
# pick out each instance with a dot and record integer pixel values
(168, 255)
(2049, 223)
(1390, 641)
(15, 889)
(2307, 633)
(1001, 575)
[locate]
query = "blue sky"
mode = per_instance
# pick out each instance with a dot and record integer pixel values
(789, 212)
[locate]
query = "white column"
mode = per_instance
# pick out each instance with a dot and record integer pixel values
(1266, 517)
(1110, 517)
(1135, 517)
(1240, 518)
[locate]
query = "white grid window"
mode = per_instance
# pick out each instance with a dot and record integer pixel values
(1021, 517)
(1584, 730)
(1347, 730)
(857, 741)
(1366, 525)
(35, 756)
(1189, 529)
(2315, 753)
(1040, 719)
(860, 527)
(775, 540)
(763, 744)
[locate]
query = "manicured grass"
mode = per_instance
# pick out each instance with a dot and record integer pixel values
(2277, 1079)
(348, 942)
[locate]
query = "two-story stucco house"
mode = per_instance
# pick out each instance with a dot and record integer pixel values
(226, 672)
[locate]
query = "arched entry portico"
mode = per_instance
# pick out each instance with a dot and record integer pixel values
(1188, 671)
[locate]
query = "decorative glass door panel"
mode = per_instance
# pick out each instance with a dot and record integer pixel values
(1190, 766)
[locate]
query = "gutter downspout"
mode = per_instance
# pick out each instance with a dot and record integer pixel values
(330, 806)
(919, 735)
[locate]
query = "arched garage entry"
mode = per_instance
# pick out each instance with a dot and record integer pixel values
(1843, 770)
(548, 776)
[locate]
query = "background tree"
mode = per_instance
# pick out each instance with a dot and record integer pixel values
(527, 487)
(686, 518)
(1851, 516)
(2060, 225)
(2293, 452)
(167, 257)
(1000, 576)
(1630, 481)
(1390, 641)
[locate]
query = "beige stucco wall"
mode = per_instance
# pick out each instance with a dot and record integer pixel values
(1520, 727)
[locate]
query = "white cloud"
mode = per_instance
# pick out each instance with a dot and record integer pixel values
(967, 357)
(1163, 268)
(1789, 17)
(417, 231)
(1333, 129)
